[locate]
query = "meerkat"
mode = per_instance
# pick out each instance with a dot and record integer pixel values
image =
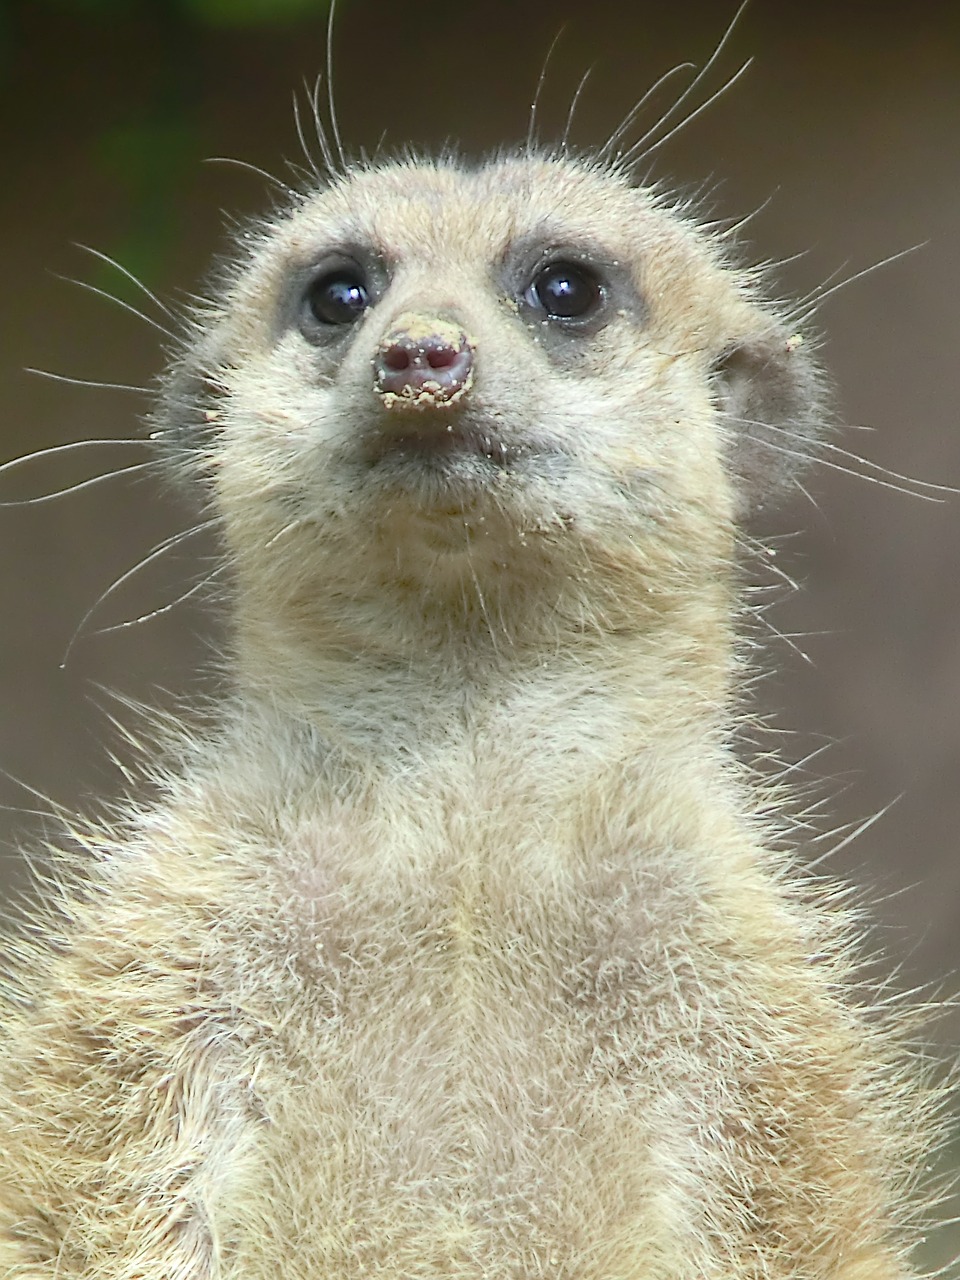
(462, 945)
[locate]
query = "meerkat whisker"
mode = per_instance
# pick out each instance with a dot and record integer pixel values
(637, 151)
(608, 151)
(572, 110)
(331, 101)
(312, 166)
(71, 446)
(640, 152)
(135, 279)
(189, 594)
(270, 178)
(162, 548)
(80, 485)
(886, 476)
(533, 141)
(87, 382)
(318, 128)
(820, 295)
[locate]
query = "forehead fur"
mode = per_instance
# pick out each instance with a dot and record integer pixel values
(486, 205)
(493, 195)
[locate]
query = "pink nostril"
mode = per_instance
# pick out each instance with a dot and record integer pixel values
(423, 362)
(440, 357)
(395, 357)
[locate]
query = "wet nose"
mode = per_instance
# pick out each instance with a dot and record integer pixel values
(423, 361)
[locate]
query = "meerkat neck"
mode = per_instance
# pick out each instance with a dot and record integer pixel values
(597, 695)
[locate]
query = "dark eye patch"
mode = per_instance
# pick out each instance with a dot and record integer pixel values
(326, 299)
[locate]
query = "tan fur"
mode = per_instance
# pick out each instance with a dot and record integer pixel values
(457, 950)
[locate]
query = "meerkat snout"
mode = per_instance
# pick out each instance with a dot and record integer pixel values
(423, 362)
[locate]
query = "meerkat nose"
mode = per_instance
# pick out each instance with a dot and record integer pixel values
(423, 361)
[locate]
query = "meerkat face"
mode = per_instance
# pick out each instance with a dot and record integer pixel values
(442, 366)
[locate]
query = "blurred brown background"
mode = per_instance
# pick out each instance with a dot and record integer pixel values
(847, 121)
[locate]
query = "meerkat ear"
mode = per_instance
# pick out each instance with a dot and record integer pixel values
(772, 396)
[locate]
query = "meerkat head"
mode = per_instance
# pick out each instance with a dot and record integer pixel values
(431, 387)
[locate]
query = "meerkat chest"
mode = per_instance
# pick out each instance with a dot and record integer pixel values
(475, 1044)
(434, 926)
(462, 930)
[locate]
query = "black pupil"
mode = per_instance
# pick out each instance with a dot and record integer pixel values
(565, 291)
(338, 298)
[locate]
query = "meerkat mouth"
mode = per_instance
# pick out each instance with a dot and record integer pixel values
(441, 472)
(439, 445)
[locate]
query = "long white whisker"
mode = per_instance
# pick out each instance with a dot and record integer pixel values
(80, 485)
(251, 168)
(298, 124)
(331, 104)
(127, 306)
(855, 834)
(816, 459)
(866, 463)
(802, 299)
(160, 549)
(732, 228)
(886, 484)
(535, 104)
(817, 299)
(165, 608)
(635, 154)
(782, 635)
(574, 102)
(887, 471)
(54, 449)
(134, 280)
(55, 809)
(13, 854)
(87, 382)
(606, 151)
(318, 129)
(637, 149)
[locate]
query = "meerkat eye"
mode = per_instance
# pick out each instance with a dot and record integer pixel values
(565, 291)
(338, 297)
